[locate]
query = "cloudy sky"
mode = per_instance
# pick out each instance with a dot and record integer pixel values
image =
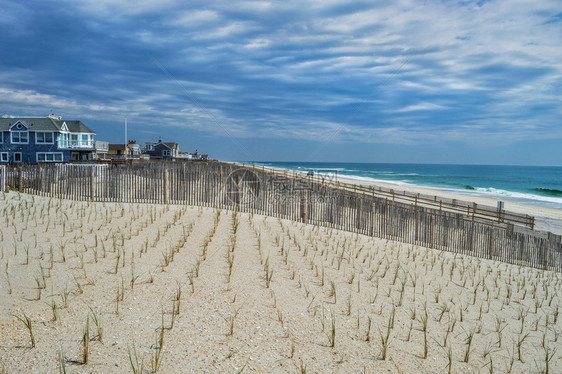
(335, 80)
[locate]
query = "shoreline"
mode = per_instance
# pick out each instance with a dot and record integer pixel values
(546, 218)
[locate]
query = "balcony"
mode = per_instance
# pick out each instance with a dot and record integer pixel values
(101, 147)
(77, 144)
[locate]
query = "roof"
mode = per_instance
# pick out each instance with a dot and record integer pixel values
(171, 145)
(45, 124)
(77, 126)
(116, 146)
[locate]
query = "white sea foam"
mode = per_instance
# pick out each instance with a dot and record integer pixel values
(518, 195)
(369, 179)
(555, 202)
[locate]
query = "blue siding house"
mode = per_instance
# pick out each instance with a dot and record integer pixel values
(44, 139)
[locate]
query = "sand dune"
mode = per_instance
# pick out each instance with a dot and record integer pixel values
(186, 289)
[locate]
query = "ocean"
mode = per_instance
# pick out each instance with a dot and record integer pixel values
(536, 185)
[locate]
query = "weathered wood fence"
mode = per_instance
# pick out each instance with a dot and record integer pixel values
(474, 211)
(223, 185)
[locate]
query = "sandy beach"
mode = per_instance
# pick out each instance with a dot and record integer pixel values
(107, 287)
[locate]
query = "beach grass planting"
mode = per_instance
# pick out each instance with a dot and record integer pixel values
(340, 297)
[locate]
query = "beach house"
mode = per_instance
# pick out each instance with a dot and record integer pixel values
(132, 150)
(44, 139)
(166, 151)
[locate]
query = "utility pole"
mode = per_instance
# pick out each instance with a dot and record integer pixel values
(126, 142)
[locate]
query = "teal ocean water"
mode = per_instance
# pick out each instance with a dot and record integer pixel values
(537, 185)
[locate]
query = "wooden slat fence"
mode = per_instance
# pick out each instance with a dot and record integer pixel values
(470, 209)
(256, 190)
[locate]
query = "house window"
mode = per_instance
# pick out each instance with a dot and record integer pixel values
(17, 156)
(166, 152)
(85, 140)
(63, 140)
(4, 157)
(49, 157)
(73, 140)
(20, 137)
(44, 138)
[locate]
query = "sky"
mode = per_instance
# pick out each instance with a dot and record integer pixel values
(467, 82)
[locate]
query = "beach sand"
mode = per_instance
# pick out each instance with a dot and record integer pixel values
(546, 218)
(256, 295)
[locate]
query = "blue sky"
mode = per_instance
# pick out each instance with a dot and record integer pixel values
(319, 80)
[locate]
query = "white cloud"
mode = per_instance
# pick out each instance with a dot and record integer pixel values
(190, 19)
(229, 30)
(420, 106)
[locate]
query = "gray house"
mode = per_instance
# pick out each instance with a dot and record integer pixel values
(44, 139)
(166, 151)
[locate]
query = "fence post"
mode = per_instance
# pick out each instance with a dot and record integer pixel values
(166, 185)
(431, 228)
(417, 212)
(92, 183)
(491, 246)
(20, 181)
(3, 183)
(303, 206)
(358, 205)
(545, 260)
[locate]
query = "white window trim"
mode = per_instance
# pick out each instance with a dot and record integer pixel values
(2, 156)
(59, 140)
(49, 153)
(19, 132)
(166, 152)
(45, 132)
(88, 139)
(21, 157)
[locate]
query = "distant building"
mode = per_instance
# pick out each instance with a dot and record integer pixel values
(134, 149)
(44, 139)
(166, 151)
(101, 148)
(116, 150)
(192, 156)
